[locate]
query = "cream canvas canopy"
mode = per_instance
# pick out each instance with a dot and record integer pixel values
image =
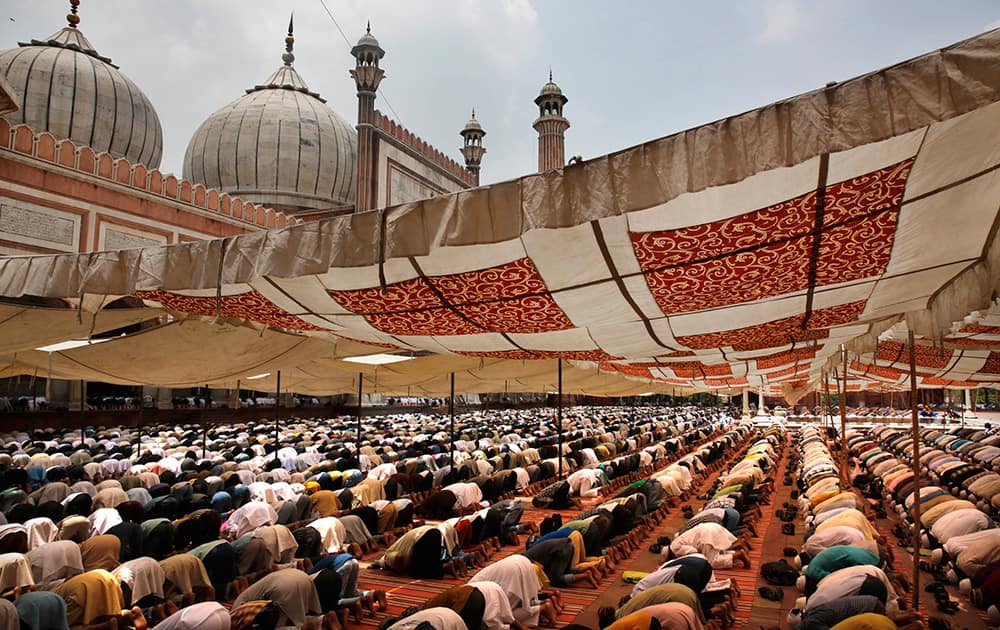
(736, 254)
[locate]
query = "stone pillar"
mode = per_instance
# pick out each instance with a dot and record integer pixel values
(746, 403)
(970, 404)
(76, 403)
(760, 401)
(164, 398)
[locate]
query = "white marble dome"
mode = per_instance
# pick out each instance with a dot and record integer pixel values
(63, 86)
(278, 145)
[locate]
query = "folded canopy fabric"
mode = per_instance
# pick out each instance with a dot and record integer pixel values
(739, 253)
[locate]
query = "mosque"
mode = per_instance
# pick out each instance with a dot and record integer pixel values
(80, 149)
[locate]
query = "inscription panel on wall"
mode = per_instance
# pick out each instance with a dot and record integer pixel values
(114, 236)
(22, 222)
(405, 186)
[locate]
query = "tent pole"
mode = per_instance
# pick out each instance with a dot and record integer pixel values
(559, 417)
(451, 412)
(825, 407)
(48, 382)
(277, 404)
(361, 383)
(916, 474)
(83, 408)
(138, 431)
(965, 407)
(843, 411)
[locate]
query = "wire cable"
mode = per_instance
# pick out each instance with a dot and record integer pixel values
(348, 42)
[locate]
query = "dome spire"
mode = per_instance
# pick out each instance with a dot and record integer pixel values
(72, 17)
(288, 57)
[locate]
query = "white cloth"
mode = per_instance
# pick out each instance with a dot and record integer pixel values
(143, 575)
(466, 494)
(438, 618)
(102, 520)
(203, 616)
(960, 523)
(709, 539)
(382, 471)
(846, 582)
(332, 532)
(497, 614)
(55, 562)
(516, 575)
(250, 517)
(957, 544)
(583, 483)
(41, 530)
(838, 535)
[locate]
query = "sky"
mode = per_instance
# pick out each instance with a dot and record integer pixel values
(633, 71)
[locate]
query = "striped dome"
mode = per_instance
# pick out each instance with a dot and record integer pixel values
(278, 145)
(63, 86)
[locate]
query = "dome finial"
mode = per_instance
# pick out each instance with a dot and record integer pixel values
(550, 75)
(473, 112)
(288, 57)
(72, 17)
(368, 29)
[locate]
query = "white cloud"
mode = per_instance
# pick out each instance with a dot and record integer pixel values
(782, 20)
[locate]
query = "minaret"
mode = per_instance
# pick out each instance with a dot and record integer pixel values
(472, 147)
(367, 75)
(551, 127)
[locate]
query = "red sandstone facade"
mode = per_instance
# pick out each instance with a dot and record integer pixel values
(56, 196)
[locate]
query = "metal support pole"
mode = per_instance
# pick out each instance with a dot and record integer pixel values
(843, 413)
(138, 431)
(34, 391)
(204, 441)
(277, 404)
(83, 408)
(915, 591)
(48, 382)
(451, 432)
(361, 383)
(825, 407)
(559, 417)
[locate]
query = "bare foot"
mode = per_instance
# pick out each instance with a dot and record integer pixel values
(331, 622)
(137, 619)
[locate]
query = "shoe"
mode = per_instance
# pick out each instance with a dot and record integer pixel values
(771, 593)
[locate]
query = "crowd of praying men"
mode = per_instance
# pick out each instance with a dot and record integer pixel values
(169, 530)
